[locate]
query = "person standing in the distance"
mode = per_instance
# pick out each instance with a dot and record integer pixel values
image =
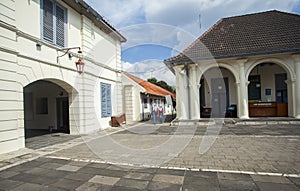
(154, 112)
(161, 113)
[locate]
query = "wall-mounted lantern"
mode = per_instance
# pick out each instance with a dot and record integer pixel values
(79, 63)
(79, 66)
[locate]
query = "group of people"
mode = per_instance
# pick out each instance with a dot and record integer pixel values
(157, 111)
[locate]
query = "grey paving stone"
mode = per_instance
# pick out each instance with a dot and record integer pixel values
(78, 163)
(79, 176)
(296, 181)
(70, 168)
(122, 188)
(112, 173)
(48, 172)
(20, 168)
(32, 164)
(197, 182)
(268, 186)
(89, 186)
(144, 170)
(139, 176)
(162, 186)
(36, 179)
(89, 170)
(51, 188)
(106, 180)
(131, 183)
(28, 186)
(98, 165)
(201, 174)
(9, 184)
(237, 185)
(60, 161)
(67, 184)
(170, 171)
(119, 168)
(50, 165)
(234, 176)
(271, 179)
(172, 179)
(8, 174)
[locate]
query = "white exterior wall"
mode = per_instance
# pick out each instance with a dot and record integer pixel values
(22, 63)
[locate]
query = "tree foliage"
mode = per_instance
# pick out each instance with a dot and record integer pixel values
(162, 84)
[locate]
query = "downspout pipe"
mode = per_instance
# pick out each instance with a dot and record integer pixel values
(186, 65)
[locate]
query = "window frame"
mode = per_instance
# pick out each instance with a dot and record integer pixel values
(54, 24)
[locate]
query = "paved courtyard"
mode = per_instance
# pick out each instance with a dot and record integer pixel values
(154, 157)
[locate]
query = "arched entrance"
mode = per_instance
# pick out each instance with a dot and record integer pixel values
(46, 107)
(218, 93)
(268, 91)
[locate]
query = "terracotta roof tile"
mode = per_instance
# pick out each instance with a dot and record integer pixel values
(149, 87)
(259, 33)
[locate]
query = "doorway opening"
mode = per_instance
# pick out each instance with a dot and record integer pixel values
(268, 91)
(218, 94)
(46, 109)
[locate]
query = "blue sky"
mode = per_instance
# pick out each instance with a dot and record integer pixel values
(157, 30)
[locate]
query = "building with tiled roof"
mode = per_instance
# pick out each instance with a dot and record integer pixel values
(248, 62)
(139, 96)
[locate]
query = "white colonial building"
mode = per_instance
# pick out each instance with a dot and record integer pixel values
(139, 95)
(243, 66)
(41, 87)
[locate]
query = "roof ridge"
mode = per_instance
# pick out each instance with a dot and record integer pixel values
(262, 12)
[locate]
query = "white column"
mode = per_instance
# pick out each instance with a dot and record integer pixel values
(194, 93)
(242, 91)
(181, 93)
(297, 86)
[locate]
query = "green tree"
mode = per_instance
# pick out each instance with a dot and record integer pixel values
(162, 84)
(152, 80)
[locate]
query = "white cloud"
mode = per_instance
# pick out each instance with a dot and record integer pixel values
(178, 22)
(183, 15)
(150, 68)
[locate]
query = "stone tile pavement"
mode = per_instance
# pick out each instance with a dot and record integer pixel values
(57, 174)
(261, 157)
(265, 149)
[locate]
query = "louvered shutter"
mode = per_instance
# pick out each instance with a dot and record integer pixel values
(105, 100)
(60, 26)
(108, 99)
(48, 20)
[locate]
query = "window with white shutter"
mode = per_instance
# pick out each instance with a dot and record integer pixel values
(53, 22)
(105, 100)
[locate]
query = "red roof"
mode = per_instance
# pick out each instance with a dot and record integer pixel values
(149, 87)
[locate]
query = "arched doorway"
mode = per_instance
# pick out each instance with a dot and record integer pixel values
(218, 93)
(46, 108)
(268, 91)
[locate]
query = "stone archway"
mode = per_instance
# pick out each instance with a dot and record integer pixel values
(47, 107)
(218, 93)
(269, 90)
